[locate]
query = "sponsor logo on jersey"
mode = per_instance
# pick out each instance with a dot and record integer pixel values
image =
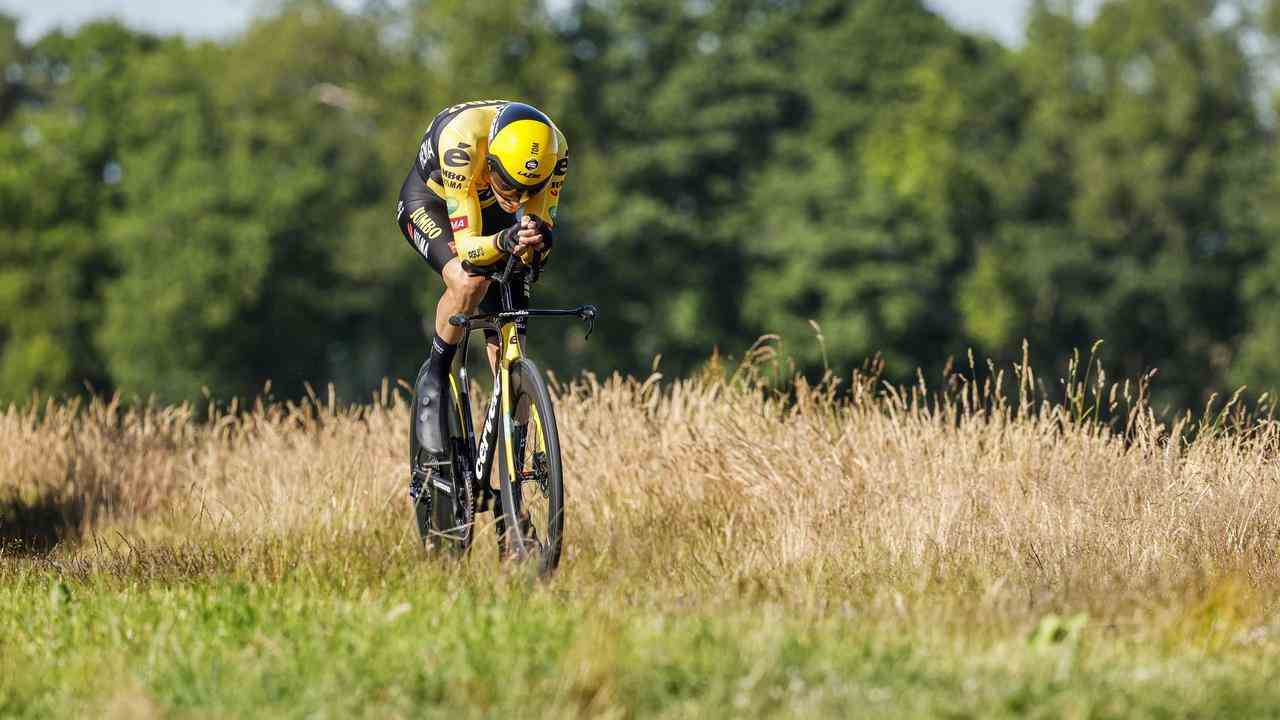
(562, 166)
(534, 149)
(531, 164)
(456, 177)
(456, 157)
(458, 223)
(425, 224)
(450, 205)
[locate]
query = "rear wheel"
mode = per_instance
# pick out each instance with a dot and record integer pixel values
(445, 507)
(533, 500)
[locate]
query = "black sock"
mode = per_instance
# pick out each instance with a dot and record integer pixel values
(441, 357)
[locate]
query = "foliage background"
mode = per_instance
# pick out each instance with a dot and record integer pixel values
(178, 216)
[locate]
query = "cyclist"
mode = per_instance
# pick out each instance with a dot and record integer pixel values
(486, 183)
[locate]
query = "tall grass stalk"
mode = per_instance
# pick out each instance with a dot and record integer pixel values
(859, 492)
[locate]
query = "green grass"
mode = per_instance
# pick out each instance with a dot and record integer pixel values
(358, 635)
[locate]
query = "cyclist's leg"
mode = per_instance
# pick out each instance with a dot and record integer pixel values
(463, 292)
(424, 221)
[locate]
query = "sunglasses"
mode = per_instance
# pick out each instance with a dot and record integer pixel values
(508, 190)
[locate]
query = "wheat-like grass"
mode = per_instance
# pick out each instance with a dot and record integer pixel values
(850, 495)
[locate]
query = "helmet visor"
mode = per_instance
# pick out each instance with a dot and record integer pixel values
(506, 186)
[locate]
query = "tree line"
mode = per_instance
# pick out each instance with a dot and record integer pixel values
(181, 216)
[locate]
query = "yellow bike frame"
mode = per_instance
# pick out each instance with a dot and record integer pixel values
(510, 353)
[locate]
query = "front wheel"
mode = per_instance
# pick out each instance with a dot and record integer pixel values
(532, 498)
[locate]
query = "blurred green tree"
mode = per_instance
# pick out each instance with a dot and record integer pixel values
(684, 104)
(1255, 361)
(866, 213)
(11, 65)
(240, 171)
(57, 150)
(176, 216)
(1141, 143)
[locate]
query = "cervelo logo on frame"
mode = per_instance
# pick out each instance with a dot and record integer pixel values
(488, 428)
(458, 223)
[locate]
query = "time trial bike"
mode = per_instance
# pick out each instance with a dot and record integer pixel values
(519, 430)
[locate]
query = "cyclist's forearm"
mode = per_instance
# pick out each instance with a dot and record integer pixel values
(479, 249)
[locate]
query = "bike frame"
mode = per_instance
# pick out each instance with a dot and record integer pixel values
(477, 460)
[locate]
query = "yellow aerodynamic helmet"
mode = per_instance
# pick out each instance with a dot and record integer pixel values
(522, 147)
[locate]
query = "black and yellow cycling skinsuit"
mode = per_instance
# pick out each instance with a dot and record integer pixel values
(447, 211)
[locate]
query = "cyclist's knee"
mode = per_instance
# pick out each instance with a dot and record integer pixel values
(460, 281)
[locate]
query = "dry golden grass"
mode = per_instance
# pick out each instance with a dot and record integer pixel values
(982, 501)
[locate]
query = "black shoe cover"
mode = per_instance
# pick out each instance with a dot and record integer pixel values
(431, 416)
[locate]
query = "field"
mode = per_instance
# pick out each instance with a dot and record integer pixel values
(738, 545)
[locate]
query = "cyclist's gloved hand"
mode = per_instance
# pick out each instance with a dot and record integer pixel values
(522, 235)
(543, 229)
(508, 239)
